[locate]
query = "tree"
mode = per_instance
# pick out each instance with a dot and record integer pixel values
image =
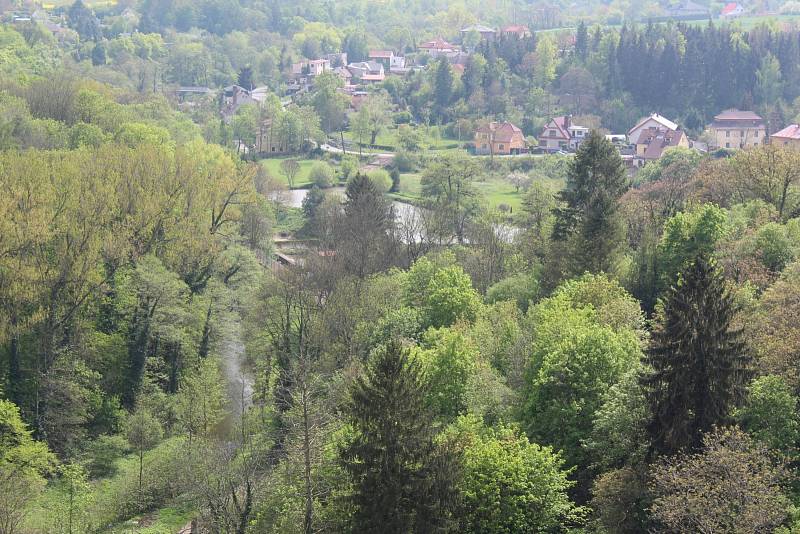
(448, 192)
(372, 117)
(582, 41)
(289, 169)
(731, 485)
(769, 82)
(546, 60)
(143, 432)
(588, 222)
(443, 293)
(443, 87)
(321, 175)
(699, 362)
(448, 360)
(200, 403)
(770, 173)
(402, 481)
(24, 463)
(770, 414)
(686, 236)
(364, 229)
(510, 484)
(328, 101)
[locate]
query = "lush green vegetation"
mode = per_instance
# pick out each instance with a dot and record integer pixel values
(536, 343)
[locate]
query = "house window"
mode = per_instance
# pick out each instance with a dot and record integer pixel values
(727, 145)
(502, 147)
(727, 133)
(755, 133)
(551, 133)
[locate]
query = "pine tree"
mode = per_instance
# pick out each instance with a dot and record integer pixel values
(588, 222)
(403, 482)
(699, 363)
(363, 233)
(582, 41)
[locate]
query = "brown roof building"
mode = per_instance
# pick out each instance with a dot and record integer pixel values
(738, 129)
(657, 141)
(788, 137)
(499, 138)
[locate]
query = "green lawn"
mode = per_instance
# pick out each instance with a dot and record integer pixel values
(434, 142)
(494, 191)
(273, 167)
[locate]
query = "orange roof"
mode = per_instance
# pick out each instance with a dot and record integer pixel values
(515, 28)
(437, 44)
(790, 132)
(381, 54)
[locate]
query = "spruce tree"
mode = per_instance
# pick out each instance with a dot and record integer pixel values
(402, 481)
(699, 364)
(588, 222)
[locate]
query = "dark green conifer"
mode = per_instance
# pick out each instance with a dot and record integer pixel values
(699, 363)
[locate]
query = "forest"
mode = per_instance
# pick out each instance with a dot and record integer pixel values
(198, 336)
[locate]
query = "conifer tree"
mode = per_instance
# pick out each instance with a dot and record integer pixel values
(588, 222)
(699, 362)
(402, 481)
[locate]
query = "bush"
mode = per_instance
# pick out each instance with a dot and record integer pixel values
(381, 179)
(321, 175)
(405, 161)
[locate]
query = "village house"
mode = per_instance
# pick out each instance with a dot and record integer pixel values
(788, 137)
(336, 59)
(561, 134)
(311, 67)
(655, 142)
(732, 10)
(234, 97)
(648, 129)
(486, 33)
(499, 138)
(367, 72)
(382, 56)
(438, 47)
(738, 129)
(516, 30)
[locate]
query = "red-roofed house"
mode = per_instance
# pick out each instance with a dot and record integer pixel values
(499, 138)
(732, 10)
(655, 142)
(438, 47)
(788, 137)
(561, 134)
(516, 30)
(739, 129)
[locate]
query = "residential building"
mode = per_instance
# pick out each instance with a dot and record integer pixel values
(646, 127)
(688, 10)
(499, 138)
(654, 142)
(788, 137)
(311, 67)
(732, 10)
(561, 134)
(367, 71)
(438, 47)
(516, 30)
(382, 56)
(486, 33)
(738, 129)
(234, 97)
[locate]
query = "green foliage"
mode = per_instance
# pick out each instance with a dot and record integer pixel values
(510, 484)
(321, 175)
(699, 361)
(402, 481)
(522, 288)
(448, 360)
(770, 414)
(687, 235)
(443, 294)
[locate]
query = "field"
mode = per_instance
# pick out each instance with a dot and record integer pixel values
(433, 140)
(494, 191)
(273, 167)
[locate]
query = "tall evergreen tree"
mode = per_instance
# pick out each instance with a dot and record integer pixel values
(582, 41)
(588, 221)
(699, 362)
(363, 233)
(403, 482)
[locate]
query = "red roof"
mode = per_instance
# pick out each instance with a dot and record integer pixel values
(790, 132)
(515, 28)
(381, 54)
(560, 127)
(729, 8)
(437, 44)
(736, 118)
(503, 132)
(660, 140)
